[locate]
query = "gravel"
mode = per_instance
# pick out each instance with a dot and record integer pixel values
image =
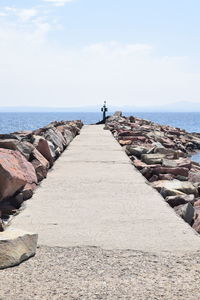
(93, 273)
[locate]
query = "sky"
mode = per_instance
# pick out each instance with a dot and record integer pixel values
(70, 53)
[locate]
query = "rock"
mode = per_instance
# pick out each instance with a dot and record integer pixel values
(7, 208)
(196, 224)
(153, 178)
(176, 185)
(188, 213)
(180, 199)
(67, 134)
(181, 178)
(40, 164)
(52, 150)
(174, 171)
(184, 163)
(166, 176)
(197, 202)
(17, 200)
(124, 143)
(152, 159)
(146, 172)
(136, 151)
(16, 246)
(40, 170)
(170, 192)
(24, 148)
(55, 137)
(37, 155)
(28, 191)
(163, 150)
(2, 228)
(15, 172)
(169, 163)
(194, 176)
(139, 164)
(44, 147)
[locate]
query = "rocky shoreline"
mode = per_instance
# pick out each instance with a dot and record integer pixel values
(162, 154)
(25, 159)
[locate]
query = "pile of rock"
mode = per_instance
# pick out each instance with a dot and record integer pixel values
(161, 153)
(25, 158)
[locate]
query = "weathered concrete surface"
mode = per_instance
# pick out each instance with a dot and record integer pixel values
(95, 197)
(16, 246)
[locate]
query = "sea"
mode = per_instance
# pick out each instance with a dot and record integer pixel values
(11, 121)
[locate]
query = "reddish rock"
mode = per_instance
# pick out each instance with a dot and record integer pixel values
(40, 170)
(184, 163)
(174, 171)
(15, 172)
(196, 224)
(40, 164)
(197, 202)
(194, 176)
(37, 155)
(24, 148)
(43, 147)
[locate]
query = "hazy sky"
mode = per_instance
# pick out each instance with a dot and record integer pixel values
(82, 52)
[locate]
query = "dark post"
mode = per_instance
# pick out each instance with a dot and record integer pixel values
(104, 110)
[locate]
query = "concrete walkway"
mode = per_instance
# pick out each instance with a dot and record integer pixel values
(95, 197)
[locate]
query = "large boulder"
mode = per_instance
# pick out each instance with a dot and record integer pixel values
(56, 138)
(152, 159)
(24, 148)
(179, 199)
(44, 147)
(16, 246)
(170, 170)
(136, 150)
(15, 172)
(175, 187)
(40, 164)
(67, 134)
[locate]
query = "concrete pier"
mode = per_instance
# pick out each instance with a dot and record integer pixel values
(95, 197)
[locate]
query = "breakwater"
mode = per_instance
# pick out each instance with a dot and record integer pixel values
(25, 159)
(162, 154)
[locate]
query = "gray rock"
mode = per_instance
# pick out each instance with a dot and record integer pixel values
(188, 213)
(152, 159)
(169, 163)
(16, 246)
(179, 199)
(52, 150)
(136, 151)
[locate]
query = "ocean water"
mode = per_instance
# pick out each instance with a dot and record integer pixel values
(10, 122)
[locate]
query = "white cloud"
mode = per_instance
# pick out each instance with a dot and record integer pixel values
(35, 72)
(24, 15)
(58, 2)
(3, 14)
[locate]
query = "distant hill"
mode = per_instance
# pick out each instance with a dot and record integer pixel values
(183, 106)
